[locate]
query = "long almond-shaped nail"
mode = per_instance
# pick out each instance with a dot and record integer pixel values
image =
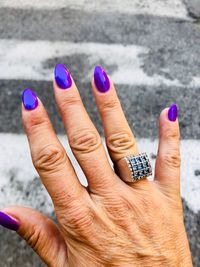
(173, 112)
(29, 99)
(8, 222)
(62, 76)
(101, 80)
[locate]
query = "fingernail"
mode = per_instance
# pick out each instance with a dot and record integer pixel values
(101, 80)
(29, 99)
(173, 112)
(8, 222)
(62, 76)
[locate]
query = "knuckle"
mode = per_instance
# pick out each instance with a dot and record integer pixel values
(147, 201)
(82, 218)
(109, 105)
(120, 210)
(69, 101)
(66, 198)
(79, 218)
(35, 239)
(171, 134)
(36, 122)
(120, 142)
(49, 159)
(85, 141)
(172, 158)
(62, 199)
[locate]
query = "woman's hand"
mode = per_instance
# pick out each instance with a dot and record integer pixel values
(110, 223)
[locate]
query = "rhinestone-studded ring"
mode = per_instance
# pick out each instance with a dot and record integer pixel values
(133, 168)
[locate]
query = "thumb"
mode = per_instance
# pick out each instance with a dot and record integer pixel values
(40, 232)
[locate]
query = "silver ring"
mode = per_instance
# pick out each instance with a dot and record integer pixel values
(133, 168)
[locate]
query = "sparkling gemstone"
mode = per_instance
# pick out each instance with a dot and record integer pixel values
(140, 167)
(138, 160)
(135, 168)
(133, 161)
(136, 174)
(143, 158)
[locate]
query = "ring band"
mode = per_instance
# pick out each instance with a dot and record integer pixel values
(133, 168)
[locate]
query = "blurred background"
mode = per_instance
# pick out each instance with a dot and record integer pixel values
(150, 48)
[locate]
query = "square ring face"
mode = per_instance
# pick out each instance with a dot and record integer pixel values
(140, 166)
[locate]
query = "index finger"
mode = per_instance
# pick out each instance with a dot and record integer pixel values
(48, 155)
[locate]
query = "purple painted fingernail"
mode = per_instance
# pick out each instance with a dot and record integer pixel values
(8, 222)
(173, 112)
(62, 76)
(29, 99)
(101, 80)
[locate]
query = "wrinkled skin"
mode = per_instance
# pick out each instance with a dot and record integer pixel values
(110, 223)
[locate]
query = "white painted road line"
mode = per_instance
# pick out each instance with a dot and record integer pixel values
(171, 8)
(15, 158)
(25, 60)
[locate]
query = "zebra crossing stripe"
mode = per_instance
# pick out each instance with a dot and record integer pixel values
(17, 63)
(169, 8)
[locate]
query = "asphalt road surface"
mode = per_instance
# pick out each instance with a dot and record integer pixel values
(151, 50)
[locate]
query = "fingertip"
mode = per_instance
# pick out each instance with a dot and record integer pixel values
(14, 211)
(62, 77)
(29, 113)
(29, 99)
(169, 115)
(167, 126)
(9, 221)
(34, 119)
(101, 80)
(32, 108)
(173, 113)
